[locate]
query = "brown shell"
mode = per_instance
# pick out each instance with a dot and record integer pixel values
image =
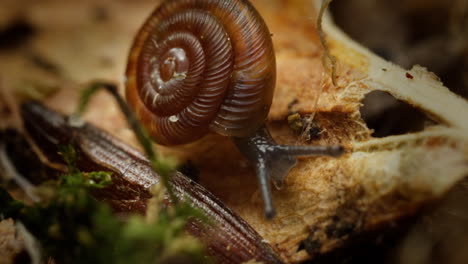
(199, 66)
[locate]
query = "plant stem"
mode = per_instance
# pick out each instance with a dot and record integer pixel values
(163, 168)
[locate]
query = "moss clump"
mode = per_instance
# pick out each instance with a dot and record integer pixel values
(72, 227)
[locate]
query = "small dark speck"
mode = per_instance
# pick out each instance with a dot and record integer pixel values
(106, 62)
(339, 229)
(311, 246)
(384, 69)
(44, 63)
(292, 103)
(4, 109)
(409, 76)
(314, 132)
(190, 170)
(15, 34)
(22, 257)
(101, 14)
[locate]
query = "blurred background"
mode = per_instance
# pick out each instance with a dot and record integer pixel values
(433, 34)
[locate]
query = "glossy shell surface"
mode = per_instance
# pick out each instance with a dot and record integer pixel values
(201, 65)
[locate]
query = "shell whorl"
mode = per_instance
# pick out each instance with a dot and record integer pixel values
(199, 66)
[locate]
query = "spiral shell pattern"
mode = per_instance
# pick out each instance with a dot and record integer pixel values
(201, 65)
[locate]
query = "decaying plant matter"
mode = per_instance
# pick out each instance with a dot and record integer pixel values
(324, 202)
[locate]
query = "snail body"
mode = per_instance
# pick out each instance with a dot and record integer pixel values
(208, 65)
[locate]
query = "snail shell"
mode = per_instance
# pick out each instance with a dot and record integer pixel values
(201, 65)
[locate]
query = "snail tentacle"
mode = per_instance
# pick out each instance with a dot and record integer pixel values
(274, 161)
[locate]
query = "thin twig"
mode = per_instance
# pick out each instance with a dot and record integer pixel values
(329, 64)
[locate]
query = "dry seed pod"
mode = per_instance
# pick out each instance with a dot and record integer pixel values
(228, 238)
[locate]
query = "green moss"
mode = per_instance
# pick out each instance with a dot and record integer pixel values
(295, 122)
(72, 227)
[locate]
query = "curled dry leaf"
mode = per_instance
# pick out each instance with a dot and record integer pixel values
(325, 201)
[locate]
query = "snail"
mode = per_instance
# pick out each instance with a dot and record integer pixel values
(200, 66)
